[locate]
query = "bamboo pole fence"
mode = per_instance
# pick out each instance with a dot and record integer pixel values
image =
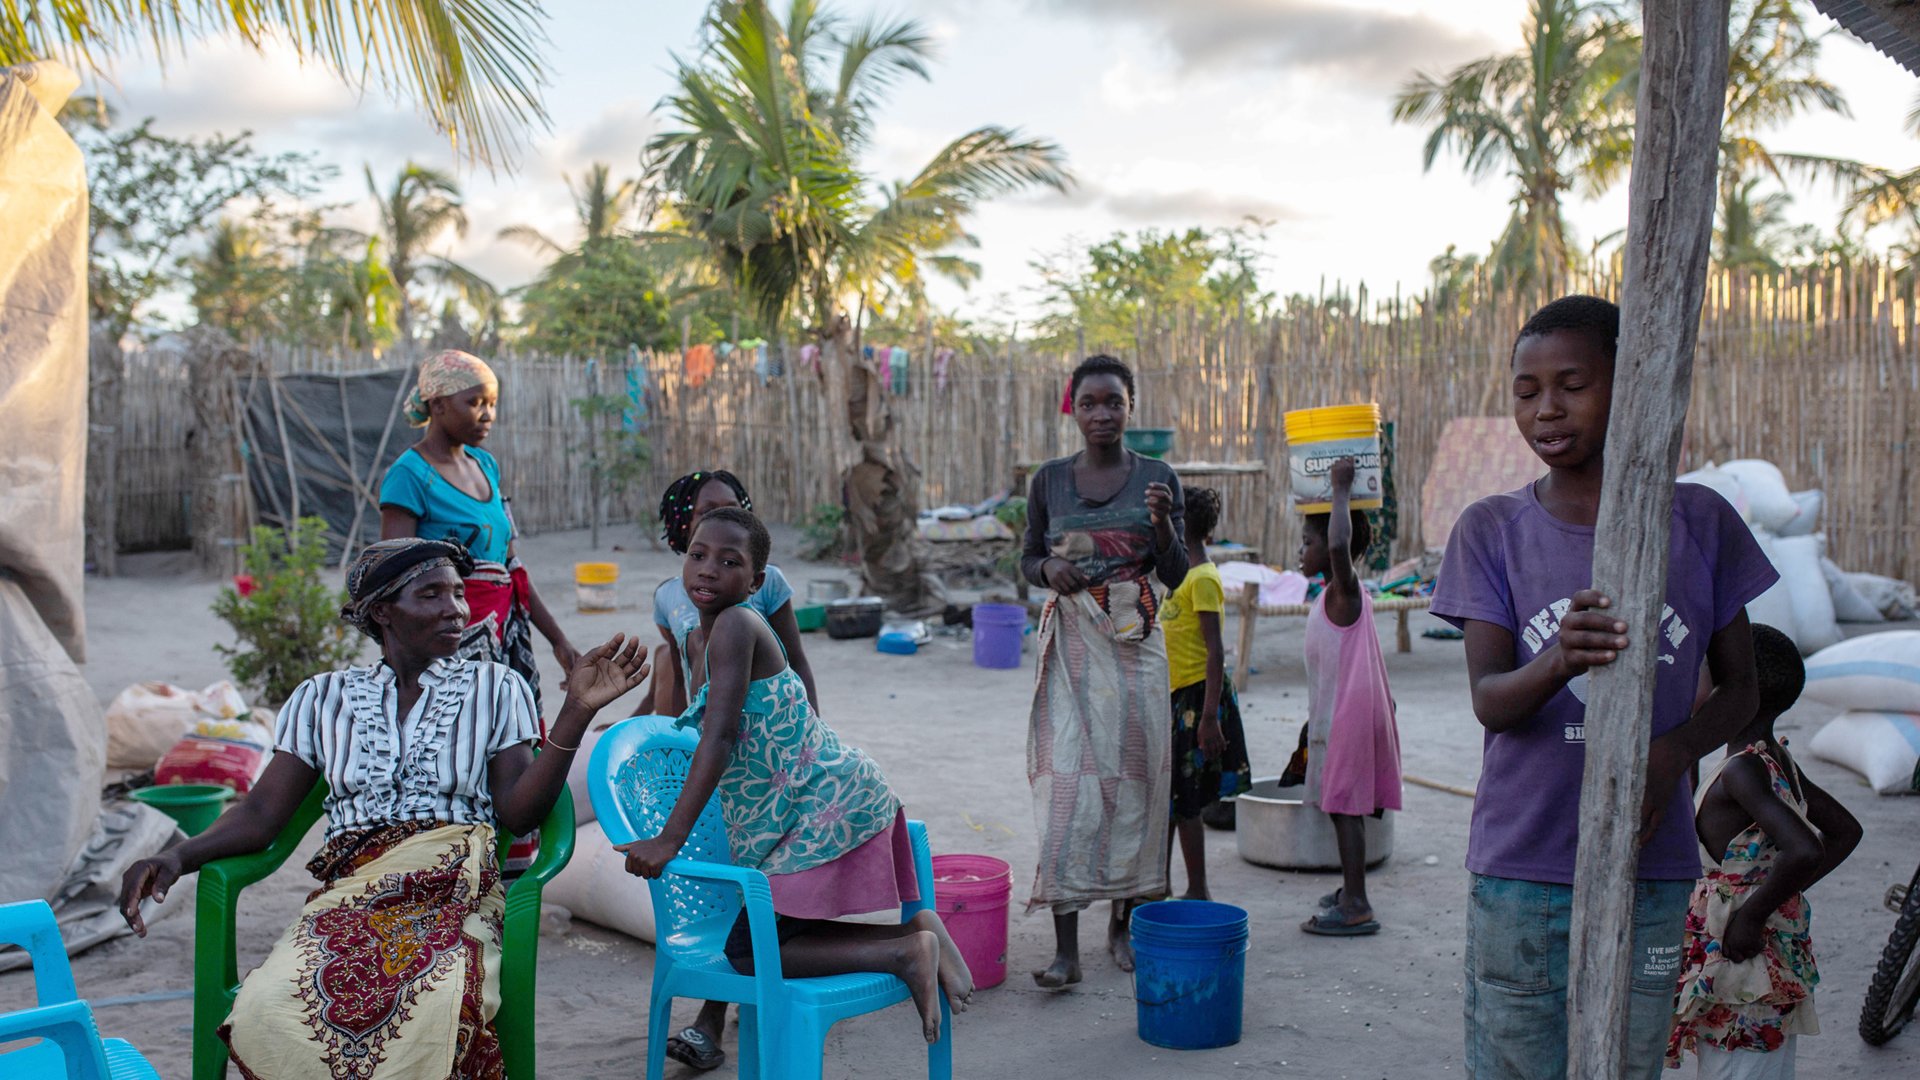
(1816, 370)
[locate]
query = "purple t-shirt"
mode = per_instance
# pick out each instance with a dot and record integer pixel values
(1511, 563)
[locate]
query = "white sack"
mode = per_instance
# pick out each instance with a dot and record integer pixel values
(596, 887)
(1876, 672)
(1806, 520)
(1848, 605)
(1769, 503)
(1710, 475)
(1798, 560)
(1775, 606)
(1894, 598)
(1883, 747)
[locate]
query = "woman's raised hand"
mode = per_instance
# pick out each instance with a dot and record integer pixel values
(601, 676)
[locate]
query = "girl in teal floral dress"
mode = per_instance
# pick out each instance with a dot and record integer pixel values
(1747, 971)
(816, 816)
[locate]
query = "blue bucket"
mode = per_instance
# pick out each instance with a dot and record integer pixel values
(1190, 972)
(997, 632)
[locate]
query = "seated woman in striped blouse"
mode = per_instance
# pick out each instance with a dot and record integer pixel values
(391, 963)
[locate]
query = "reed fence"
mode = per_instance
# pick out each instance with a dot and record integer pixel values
(1816, 370)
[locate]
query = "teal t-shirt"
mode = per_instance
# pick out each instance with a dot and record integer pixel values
(447, 513)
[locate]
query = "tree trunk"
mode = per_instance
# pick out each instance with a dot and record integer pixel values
(106, 370)
(880, 486)
(1669, 231)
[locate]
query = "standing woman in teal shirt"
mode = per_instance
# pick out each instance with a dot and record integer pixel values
(445, 487)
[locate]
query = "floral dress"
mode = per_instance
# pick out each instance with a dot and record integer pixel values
(1755, 1004)
(793, 796)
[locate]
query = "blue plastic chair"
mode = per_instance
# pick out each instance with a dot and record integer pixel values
(634, 776)
(71, 1047)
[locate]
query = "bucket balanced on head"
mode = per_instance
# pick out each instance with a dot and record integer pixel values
(1316, 438)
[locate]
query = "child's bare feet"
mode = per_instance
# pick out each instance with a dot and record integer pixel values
(1196, 894)
(919, 967)
(955, 977)
(1063, 972)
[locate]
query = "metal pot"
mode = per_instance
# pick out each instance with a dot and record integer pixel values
(1274, 827)
(827, 590)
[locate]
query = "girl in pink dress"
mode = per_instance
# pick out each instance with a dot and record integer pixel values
(1353, 748)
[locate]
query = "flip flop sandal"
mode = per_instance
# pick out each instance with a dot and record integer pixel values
(1330, 924)
(1330, 900)
(693, 1047)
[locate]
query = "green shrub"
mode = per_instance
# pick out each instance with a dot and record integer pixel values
(824, 529)
(287, 619)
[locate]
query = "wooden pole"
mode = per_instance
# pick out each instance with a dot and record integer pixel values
(1669, 227)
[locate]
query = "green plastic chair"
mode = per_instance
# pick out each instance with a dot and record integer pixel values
(216, 976)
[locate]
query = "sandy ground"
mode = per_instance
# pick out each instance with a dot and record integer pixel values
(951, 738)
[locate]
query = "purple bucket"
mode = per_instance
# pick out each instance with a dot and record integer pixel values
(998, 630)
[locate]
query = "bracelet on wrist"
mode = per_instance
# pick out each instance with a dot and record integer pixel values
(552, 745)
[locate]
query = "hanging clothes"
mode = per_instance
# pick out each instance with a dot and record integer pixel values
(1066, 400)
(941, 360)
(897, 382)
(881, 362)
(699, 365)
(810, 358)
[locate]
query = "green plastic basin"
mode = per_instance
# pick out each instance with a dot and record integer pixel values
(1153, 442)
(194, 806)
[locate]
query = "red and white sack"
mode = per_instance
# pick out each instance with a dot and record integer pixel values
(230, 752)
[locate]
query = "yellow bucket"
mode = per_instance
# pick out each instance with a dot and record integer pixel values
(1316, 438)
(596, 586)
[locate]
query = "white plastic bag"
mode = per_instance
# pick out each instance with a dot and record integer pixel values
(1884, 747)
(1806, 521)
(1775, 606)
(1710, 475)
(1769, 503)
(1894, 598)
(596, 887)
(1848, 605)
(1798, 560)
(1876, 672)
(144, 722)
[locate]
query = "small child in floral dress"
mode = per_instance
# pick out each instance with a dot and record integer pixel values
(1746, 984)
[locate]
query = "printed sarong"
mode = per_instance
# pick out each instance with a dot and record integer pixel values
(391, 969)
(1099, 749)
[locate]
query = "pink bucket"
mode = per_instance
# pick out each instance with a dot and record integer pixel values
(970, 893)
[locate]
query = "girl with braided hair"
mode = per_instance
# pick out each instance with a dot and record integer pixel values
(1209, 745)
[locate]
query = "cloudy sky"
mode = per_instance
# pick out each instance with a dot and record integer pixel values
(1172, 114)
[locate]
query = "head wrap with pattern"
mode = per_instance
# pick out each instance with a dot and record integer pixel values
(446, 373)
(385, 568)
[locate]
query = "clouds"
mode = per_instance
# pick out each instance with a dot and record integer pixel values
(1375, 47)
(1136, 206)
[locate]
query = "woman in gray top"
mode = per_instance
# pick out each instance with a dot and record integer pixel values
(1101, 526)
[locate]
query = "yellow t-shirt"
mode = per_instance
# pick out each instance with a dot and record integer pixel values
(1201, 590)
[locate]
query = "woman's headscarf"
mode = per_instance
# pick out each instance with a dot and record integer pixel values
(385, 568)
(447, 373)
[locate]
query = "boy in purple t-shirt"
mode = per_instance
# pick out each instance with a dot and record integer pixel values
(1517, 578)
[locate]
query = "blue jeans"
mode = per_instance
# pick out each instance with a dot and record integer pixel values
(1516, 981)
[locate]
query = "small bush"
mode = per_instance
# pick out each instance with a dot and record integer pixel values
(824, 529)
(287, 619)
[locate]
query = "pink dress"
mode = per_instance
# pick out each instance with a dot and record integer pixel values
(1353, 746)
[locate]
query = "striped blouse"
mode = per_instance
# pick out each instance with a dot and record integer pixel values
(434, 768)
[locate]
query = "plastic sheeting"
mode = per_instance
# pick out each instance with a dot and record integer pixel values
(343, 432)
(52, 739)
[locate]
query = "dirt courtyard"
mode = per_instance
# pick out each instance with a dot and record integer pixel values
(951, 738)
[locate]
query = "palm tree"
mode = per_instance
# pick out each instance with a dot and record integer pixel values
(473, 66)
(1556, 113)
(764, 171)
(236, 279)
(418, 208)
(604, 210)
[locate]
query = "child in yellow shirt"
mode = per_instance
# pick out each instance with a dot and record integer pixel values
(1209, 747)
